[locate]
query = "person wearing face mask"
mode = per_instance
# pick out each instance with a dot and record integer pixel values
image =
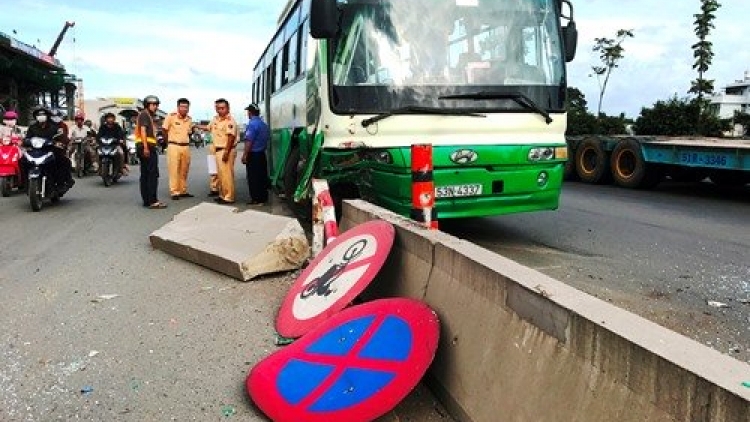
(46, 127)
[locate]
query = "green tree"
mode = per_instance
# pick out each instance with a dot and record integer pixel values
(742, 118)
(702, 50)
(678, 117)
(610, 53)
(582, 122)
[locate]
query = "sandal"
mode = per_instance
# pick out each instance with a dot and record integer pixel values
(157, 206)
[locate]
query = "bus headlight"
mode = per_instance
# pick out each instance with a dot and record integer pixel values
(541, 154)
(384, 157)
(542, 179)
(548, 153)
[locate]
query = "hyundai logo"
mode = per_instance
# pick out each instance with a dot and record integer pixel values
(464, 156)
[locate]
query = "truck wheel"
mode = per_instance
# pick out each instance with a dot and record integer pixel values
(630, 169)
(592, 162)
(728, 178)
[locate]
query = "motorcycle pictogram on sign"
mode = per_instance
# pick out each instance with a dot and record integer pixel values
(335, 277)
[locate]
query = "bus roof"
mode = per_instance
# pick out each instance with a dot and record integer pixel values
(286, 12)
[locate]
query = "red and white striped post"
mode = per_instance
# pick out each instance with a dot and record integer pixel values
(423, 186)
(327, 209)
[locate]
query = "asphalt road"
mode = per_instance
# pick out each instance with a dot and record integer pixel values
(663, 254)
(96, 325)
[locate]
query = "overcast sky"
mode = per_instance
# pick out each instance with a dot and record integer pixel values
(206, 49)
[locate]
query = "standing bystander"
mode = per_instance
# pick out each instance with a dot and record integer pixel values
(223, 130)
(145, 138)
(177, 128)
(257, 136)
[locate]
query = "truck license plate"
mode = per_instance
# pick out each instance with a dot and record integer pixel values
(458, 191)
(705, 159)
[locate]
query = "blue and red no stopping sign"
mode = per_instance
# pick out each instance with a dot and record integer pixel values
(355, 366)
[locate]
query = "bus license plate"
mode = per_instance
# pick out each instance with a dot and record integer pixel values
(458, 191)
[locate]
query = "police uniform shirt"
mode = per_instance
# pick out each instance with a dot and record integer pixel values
(221, 129)
(178, 128)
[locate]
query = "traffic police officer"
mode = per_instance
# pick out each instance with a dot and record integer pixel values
(145, 138)
(177, 127)
(223, 130)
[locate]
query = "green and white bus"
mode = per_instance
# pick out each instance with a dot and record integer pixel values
(347, 86)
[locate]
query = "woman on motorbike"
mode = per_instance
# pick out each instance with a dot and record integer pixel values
(9, 129)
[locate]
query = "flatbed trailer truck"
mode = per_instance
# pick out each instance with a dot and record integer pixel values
(644, 161)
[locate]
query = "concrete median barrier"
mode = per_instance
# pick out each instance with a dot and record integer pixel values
(517, 345)
(242, 245)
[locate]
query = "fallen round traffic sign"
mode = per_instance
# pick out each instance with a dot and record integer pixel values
(341, 271)
(355, 366)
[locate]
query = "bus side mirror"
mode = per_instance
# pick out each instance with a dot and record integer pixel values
(324, 19)
(570, 40)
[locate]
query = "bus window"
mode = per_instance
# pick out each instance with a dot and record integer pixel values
(299, 55)
(284, 65)
(292, 57)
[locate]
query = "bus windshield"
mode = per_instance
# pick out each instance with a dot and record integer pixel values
(395, 53)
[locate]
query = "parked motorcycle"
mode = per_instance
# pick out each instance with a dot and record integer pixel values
(10, 168)
(42, 183)
(110, 160)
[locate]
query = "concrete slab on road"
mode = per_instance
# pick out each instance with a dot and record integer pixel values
(243, 245)
(177, 341)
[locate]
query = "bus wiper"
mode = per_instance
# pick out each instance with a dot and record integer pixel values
(415, 109)
(518, 97)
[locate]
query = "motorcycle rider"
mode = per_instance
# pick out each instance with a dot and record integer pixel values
(9, 128)
(90, 125)
(112, 129)
(45, 127)
(83, 133)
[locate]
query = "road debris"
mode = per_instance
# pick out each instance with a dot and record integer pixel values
(228, 410)
(102, 298)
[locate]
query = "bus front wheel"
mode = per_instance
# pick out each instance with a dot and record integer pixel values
(292, 175)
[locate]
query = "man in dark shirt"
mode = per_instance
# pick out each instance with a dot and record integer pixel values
(111, 129)
(145, 138)
(257, 136)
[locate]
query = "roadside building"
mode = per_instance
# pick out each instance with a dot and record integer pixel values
(733, 98)
(30, 77)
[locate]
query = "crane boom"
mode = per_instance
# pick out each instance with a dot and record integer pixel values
(53, 50)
